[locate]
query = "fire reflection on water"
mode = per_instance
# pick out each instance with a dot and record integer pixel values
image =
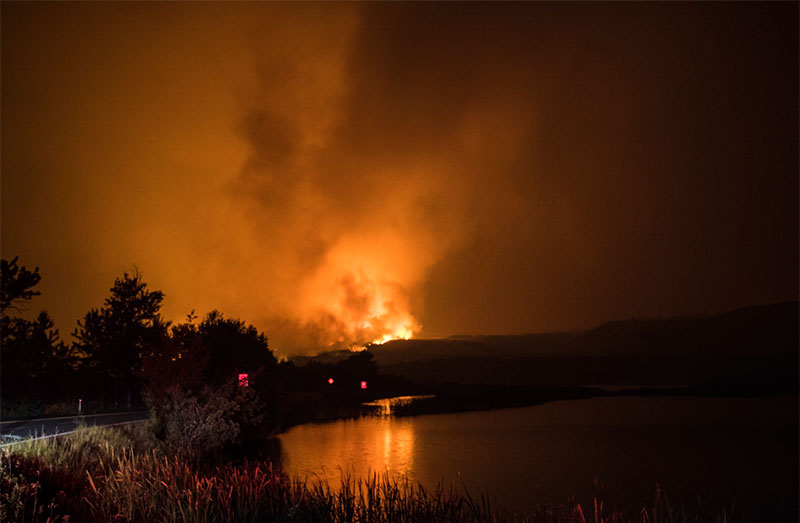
(544, 453)
(385, 406)
(360, 448)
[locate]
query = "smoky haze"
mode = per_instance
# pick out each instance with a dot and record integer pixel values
(344, 173)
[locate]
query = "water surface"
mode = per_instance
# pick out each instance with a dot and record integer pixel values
(719, 449)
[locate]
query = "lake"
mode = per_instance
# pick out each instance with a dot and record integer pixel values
(720, 449)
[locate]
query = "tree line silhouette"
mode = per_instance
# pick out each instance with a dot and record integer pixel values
(125, 355)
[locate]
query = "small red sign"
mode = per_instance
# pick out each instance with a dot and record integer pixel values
(243, 380)
(363, 384)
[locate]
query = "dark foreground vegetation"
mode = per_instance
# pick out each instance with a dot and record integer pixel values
(208, 383)
(124, 474)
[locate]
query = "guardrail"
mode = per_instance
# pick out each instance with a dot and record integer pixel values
(17, 439)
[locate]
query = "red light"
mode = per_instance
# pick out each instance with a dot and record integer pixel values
(243, 380)
(363, 384)
(330, 381)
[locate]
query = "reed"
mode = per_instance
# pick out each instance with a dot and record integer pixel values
(107, 475)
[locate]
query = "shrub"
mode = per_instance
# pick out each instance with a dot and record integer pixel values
(196, 426)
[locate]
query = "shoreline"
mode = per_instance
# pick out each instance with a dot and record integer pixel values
(456, 398)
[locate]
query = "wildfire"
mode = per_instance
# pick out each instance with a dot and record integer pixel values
(358, 308)
(360, 294)
(401, 333)
(385, 319)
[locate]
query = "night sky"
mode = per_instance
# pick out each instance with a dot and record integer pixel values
(354, 172)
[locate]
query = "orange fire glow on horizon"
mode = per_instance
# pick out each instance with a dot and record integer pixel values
(360, 294)
(364, 310)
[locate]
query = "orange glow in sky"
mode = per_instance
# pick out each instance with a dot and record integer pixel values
(344, 173)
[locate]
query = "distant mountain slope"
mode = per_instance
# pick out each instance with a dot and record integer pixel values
(752, 330)
(501, 346)
(753, 346)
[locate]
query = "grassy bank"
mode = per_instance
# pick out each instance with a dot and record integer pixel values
(121, 474)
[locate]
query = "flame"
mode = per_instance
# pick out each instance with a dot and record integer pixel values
(358, 298)
(401, 333)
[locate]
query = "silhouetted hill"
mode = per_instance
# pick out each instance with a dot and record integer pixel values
(324, 358)
(752, 349)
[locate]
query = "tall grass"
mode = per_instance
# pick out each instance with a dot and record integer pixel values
(107, 475)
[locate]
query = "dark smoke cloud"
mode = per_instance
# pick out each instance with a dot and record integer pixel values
(338, 173)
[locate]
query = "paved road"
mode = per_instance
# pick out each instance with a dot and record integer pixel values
(12, 431)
